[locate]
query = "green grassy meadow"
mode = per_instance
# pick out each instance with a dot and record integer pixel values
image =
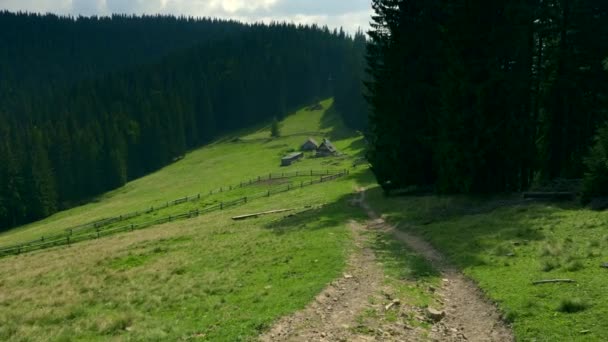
(505, 248)
(208, 278)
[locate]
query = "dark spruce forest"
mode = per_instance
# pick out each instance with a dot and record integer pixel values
(87, 104)
(489, 96)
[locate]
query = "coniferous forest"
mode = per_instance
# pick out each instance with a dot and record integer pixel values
(488, 96)
(87, 104)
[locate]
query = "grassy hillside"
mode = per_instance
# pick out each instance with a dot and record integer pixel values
(207, 278)
(506, 246)
(234, 159)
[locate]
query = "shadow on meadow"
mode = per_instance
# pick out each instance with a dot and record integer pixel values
(340, 212)
(466, 228)
(407, 264)
(388, 250)
(331, 120)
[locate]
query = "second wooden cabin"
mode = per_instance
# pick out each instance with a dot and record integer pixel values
(291, 158)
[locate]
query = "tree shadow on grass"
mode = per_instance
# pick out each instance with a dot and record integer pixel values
(340, 212)
(332, 121)
(468, 230)
(400, 261)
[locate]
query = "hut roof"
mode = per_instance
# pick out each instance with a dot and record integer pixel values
(313, 141)
(327, 146)
(293, 155)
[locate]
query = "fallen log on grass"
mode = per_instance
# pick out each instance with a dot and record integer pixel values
(549, 281)
(560, 196)
(255, 215)
(556, 196)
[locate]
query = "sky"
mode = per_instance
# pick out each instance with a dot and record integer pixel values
(349, 14)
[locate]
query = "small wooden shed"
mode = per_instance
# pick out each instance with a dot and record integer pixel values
(310, 145)
(326, 149)
(291, 158)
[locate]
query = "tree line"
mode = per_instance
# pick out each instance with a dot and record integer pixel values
(81, 119)
(486, 96)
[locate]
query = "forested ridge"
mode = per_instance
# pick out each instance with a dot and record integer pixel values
(91, 103)
(488, 96)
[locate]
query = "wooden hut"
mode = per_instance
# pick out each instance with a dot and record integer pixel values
(326, 149)
(310, 145)
(291, 158)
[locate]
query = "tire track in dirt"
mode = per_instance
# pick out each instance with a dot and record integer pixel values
(332, 316)
(470, 316)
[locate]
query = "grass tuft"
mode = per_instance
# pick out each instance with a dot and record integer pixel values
(572, 305)
(574, 266)
(551, 249)
(549, 265)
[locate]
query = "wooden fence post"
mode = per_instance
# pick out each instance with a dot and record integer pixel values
(98, 233)
(68, 239)
(221, 205)
(132, 227)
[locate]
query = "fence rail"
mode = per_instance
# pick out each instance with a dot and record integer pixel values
(94, 225)
(97, 231)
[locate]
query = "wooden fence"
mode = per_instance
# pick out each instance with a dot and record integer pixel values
(257, 180)
(96, 230)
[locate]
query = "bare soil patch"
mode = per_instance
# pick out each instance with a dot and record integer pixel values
(333, 315)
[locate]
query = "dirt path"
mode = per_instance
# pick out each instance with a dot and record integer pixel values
(469, 315)
(335, 314)
(332, 316)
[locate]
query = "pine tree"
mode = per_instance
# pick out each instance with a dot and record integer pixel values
(40, 181)
(275, 128)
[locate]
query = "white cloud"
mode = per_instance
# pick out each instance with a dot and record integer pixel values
(350, 14)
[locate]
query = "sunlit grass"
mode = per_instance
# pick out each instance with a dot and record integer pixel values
(506, 248)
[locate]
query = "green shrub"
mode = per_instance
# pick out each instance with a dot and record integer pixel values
(595, 183)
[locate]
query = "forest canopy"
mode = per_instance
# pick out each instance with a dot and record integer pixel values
(486, 96)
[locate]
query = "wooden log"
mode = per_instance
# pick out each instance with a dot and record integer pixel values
(549, 281)
(244, 217)
(567, 196)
